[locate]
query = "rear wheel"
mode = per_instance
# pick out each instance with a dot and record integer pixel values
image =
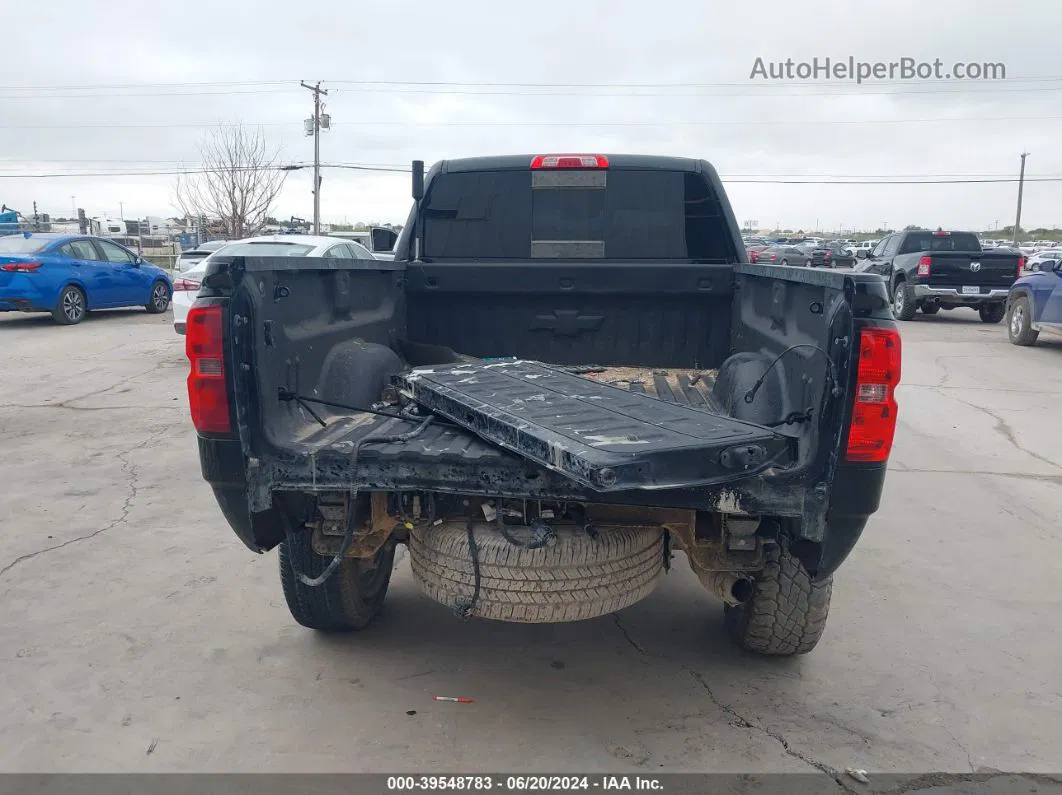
(930, 309)
(903, 301)
(992, 313)
(71, 307)
(348, 600)
(1019, 324)
(160, 298)
(788, 610)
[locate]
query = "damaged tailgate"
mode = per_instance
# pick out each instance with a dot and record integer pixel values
(602, 436)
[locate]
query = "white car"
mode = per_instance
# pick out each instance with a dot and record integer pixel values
(186, 285)
(866, 246)
(1034, 262)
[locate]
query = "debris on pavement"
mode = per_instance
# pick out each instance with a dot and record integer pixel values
(858, 775)
(456, 700)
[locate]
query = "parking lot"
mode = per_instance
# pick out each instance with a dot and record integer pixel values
(138, 634)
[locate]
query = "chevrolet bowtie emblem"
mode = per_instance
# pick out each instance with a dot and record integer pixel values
(567, 322)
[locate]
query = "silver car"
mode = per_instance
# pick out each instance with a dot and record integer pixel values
(784, 255)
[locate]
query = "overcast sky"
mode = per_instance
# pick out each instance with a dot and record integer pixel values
(542, 77)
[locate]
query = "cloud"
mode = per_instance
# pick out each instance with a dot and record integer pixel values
(694, 59)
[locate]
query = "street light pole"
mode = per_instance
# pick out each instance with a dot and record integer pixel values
(1021, 186)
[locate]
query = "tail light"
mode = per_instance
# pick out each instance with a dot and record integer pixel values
(1021, 263)
(186, 286)
(21, 267)
(569, 161)
(774, 257)
(874, 413)
(207, 395)
(925, 265)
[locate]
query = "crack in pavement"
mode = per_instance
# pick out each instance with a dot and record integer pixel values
(65, 404)
(736, 718)
(1003, 429)
(1053, 479)
(933, 780)
(913, 784)
(127, 505)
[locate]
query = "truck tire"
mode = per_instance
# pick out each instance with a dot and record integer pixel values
(350, 599)
(904, 305)
(992, 313)
(574, 578)
(1019, 323)
(787, 613)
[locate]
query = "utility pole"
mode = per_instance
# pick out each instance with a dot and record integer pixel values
(317, 92)
(1021, 186)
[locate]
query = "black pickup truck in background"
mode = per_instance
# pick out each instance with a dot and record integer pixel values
(568, 371)
(943, 270)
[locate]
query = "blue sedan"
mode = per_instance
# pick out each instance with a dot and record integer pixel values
(68, 275)
(1034, 303)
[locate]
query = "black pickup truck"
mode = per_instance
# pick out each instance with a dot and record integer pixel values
(942, 270)
(568, 372)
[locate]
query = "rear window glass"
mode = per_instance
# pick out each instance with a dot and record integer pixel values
(575, 214)
(927, 241)
(18, 244)
(268, 249)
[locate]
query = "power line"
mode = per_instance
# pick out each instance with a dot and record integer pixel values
(1039, 78)
(791, 91)
(113, 95)
(739, 179)
(578, 124)
(491, 84)
(89, 86)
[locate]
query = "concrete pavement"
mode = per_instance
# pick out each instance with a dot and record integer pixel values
(138, 634)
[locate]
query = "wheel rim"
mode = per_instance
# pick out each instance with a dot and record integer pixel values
(898, 299)
(785, 262)
(1017, 319)
(161, 297)
(73, 305)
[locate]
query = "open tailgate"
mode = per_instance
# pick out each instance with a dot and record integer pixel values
(599, 435)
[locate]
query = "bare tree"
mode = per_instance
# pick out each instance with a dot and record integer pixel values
(238, 181)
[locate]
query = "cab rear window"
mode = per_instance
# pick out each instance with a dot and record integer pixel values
(927, 241)
(612, 214)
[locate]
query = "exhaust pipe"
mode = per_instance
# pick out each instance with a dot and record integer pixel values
(732, 587)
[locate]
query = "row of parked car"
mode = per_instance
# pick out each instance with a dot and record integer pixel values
(927, 272)
(808, 252)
